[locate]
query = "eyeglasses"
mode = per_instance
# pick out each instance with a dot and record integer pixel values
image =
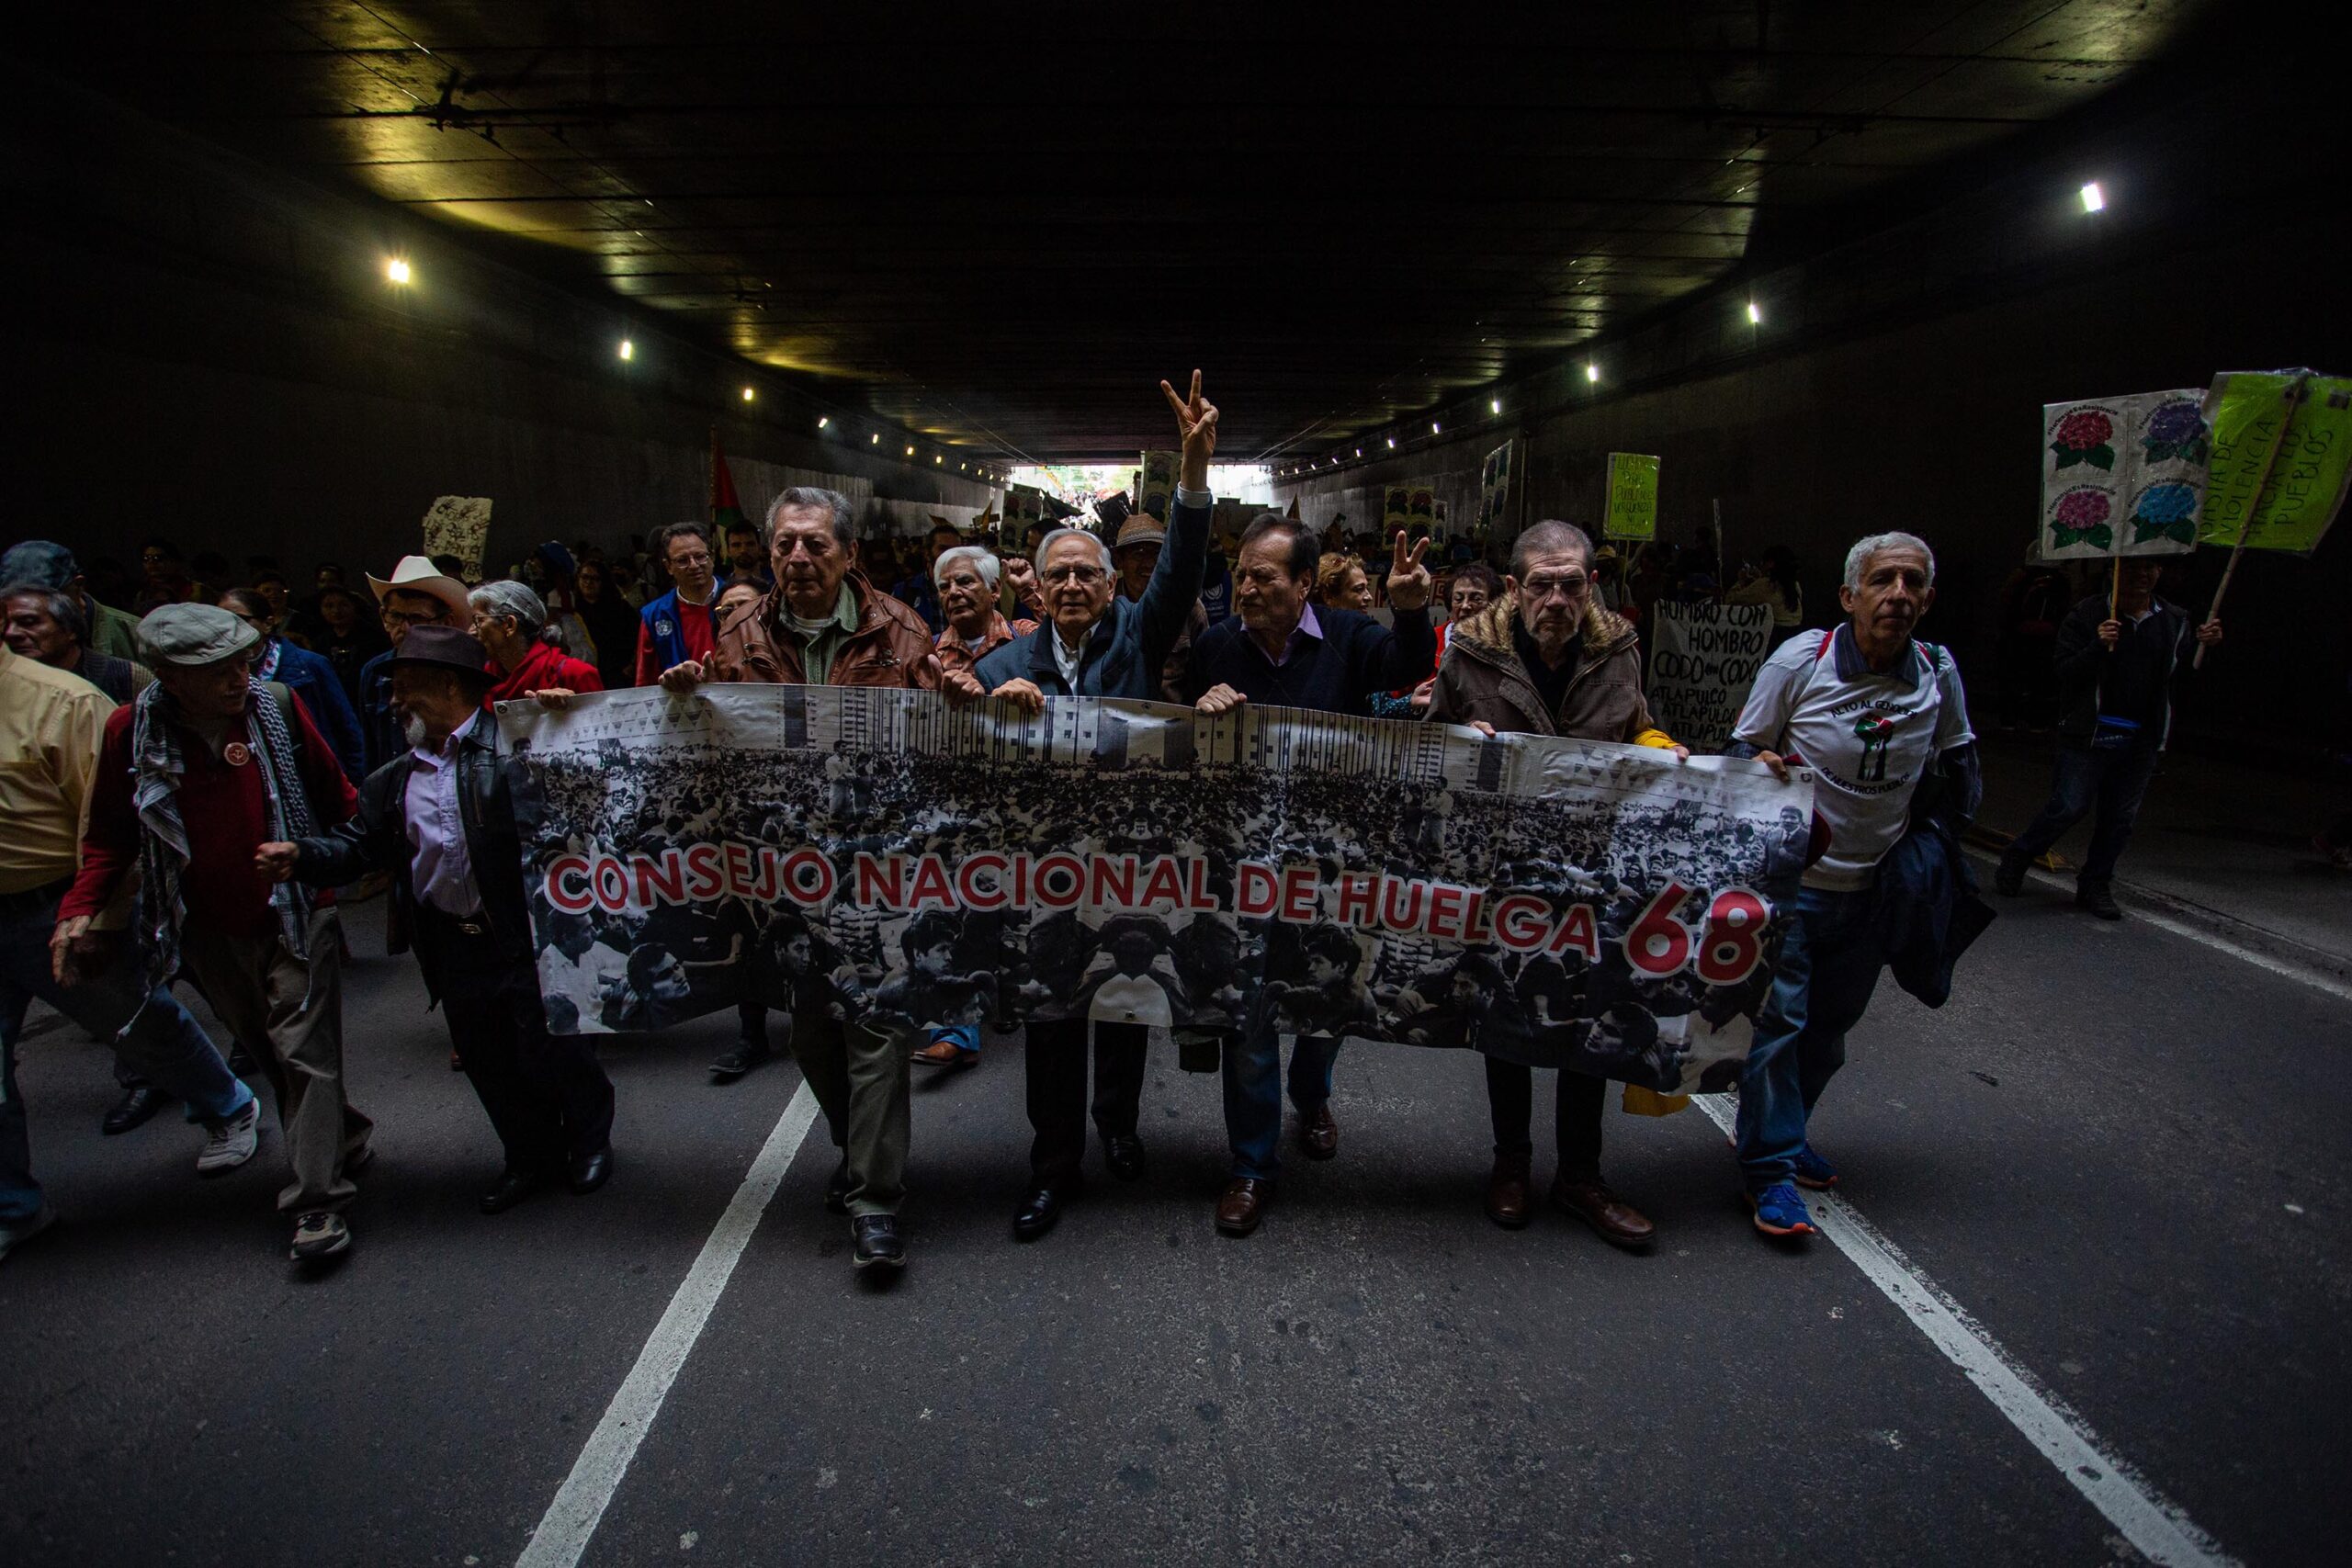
(689, 563)
(1567, 585)
(408, 618)
(1084, 576)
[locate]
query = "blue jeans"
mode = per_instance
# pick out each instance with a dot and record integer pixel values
(165, 1045)
(1253, 1094)
(967, 1035)
(1829, 965)
(2114, 780)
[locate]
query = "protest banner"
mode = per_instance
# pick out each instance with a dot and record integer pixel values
(1494, 488)
(1703, 657)
(459, 526)
(1633, 496)
(2123, 476)
(2304, 443)
(883, 855)
(1156, 484)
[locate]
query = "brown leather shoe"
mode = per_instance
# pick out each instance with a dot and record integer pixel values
(945, 1054)
(1319, 1133)
(1243, 1205)
(1616, 1220)
(1506, 1192)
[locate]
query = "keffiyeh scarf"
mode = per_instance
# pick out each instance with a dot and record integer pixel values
(157, 767)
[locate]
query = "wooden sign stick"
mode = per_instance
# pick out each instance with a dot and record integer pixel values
(2294, 398)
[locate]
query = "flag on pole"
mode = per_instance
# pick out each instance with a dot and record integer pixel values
(725, 511)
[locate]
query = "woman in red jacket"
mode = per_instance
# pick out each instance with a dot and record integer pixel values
(508, 618)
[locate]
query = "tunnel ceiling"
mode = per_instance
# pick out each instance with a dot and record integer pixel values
(1000, 224)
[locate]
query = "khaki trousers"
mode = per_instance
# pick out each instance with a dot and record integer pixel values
(860, 1078)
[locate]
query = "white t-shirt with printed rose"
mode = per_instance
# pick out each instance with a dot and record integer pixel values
(1868, 737)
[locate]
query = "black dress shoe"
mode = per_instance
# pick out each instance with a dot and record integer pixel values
(137, 1106)
(877, 1243)
(1040, 1211)
(837, 1189)
(740, 1060)
(2008, 877)
(1123, 1152)
(2099, 902)
(589, 1172)
(510, 1188)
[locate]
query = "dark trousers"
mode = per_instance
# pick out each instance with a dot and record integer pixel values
(547, 1098)
(2114, 780)
(1055, 1064)
(1510, 1103)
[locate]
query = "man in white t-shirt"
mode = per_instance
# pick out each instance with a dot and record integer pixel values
(1872, 712)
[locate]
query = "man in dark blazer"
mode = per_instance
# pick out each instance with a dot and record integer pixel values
(440, 820)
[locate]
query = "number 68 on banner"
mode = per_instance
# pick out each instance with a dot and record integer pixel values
(1722, 951)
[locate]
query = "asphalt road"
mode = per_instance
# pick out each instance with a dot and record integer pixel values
(2121, 1151)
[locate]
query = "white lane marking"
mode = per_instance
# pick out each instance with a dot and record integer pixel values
(580, 1503)
(2316, 979)
(2161, 1531)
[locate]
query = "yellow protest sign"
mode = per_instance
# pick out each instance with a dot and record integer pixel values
(1633, 496)
(2252, 417)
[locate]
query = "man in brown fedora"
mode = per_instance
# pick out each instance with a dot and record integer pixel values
(439, 818)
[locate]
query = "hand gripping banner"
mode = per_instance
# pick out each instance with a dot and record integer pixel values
(899, 862)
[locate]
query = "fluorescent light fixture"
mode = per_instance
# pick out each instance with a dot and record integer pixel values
(1591, 371)
(749, 394)
(824, 420)
(911, 451)
(1359, 451)
(629, 349)
(876, 438)
(2094, 199)
(936, 458)
(396, 269)
(1494, 405)
(1392, 443)
(1755, 316)
(1433, 427)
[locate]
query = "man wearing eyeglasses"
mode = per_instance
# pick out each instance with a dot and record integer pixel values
(680, 626)
(418, 593)
(1549, 658)
(1098, 644)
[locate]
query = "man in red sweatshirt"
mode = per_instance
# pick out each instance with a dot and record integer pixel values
(206, 766)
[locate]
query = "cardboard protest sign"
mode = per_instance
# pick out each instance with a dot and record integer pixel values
(2251, 420)
(1494, 488)
(1395, 510)
(459, 526)
(1633, 496)
(1156, 484)
(1704, 659)
(2123, 476)
(882, 855)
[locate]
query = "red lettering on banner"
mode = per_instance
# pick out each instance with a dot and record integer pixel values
(1021, 880)
(739, 869)
(764, 890)
(882, 882)
(1734, 937)
(1658, 944)
(931, 889)
(1257, 891)
(801, 889)
(703, 879)
(1114, 881)
(1522, 922)
(1356, 897)
(1445, 912)
(564, 868)
(1072, 873)
(610, 879)
(968, 884)
(1578, 931)
(1404, 916)
(661, 880)
(1300, 884)
(1196, 875)
(1163, 886)
(1474, 923)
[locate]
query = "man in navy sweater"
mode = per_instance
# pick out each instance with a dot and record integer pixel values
(1278, 648)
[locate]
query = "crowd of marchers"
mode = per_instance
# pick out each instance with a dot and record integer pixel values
(188, 795)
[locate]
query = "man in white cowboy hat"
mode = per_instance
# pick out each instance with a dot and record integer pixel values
(193, 777)
(418, 593)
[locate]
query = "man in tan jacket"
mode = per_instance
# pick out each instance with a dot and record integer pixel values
(1548, 659)
(824, 624)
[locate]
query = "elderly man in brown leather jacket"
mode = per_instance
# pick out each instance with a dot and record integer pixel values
(1549, 658)
(825, 625)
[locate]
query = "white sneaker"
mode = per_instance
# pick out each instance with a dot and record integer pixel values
(232, 1143)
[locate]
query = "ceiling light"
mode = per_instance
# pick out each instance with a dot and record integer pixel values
(1392, 443)
(749, 394)
(1433, 427)
(2094, 199)
(936, 458)
(1494, 405)
(1755, 316)
(1591, 371)
(629, 349)
(823, 420)
(911, 451)
(1359, 451)
(876, 438)
(397, 270)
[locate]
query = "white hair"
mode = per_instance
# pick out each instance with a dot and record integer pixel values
(507, 597)
(1101, 549)
(982, 562)
(1858, 560)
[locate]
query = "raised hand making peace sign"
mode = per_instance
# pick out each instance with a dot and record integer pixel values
(1408, 580)
(1196, 426)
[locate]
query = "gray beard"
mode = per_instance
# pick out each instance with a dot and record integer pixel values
(413, 732)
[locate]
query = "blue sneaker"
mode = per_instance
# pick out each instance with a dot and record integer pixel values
(1781, 1211)
(1812, 1171)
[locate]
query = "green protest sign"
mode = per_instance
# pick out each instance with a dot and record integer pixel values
(1633, 496)
(2296, 450)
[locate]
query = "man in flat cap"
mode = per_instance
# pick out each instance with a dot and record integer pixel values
(193, 778)
(440, 820)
